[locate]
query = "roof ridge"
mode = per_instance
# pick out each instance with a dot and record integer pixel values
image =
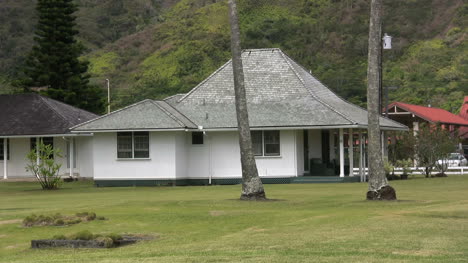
(108, 114)
(54, 110)
(178, 111)
(168, 113)
(204, 81)
(170, 97)
(310, 91)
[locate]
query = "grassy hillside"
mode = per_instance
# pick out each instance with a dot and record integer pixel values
(170, 52)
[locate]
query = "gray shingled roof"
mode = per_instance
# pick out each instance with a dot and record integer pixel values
(144, 115)
(280, 93)
(32, 114)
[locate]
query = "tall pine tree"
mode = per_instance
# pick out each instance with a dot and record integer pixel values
(54, 60)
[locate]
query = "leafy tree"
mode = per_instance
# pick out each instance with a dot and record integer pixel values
(44, 167)
(54, 60)
(379, 189)
(252, 187)
(433, 143)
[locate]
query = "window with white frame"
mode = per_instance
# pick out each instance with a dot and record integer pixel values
(132, 145)
(266, 143)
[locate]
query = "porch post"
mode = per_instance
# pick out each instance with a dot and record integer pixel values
(351, 152)
(38, 160)
(382, 144)
(341, 153)
(5, 158)
(364, 159)
(71, 156)
(360, 156)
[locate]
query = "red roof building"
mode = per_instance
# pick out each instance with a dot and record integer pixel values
(463, 132)
(412, 115)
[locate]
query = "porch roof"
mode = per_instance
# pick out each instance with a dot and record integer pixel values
(33, 115)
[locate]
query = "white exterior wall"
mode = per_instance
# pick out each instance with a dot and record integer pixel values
(20, 147)
(300, 151)
(160, 165)
(181, 154)
(221, 150)
(198, 157)
(84, 158)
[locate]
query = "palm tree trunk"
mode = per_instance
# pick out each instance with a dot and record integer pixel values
(252, 187)
(379, 189)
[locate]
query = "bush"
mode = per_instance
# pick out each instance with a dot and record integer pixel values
(47, 170)
(59, 237)
(115, 237)
(108, 242)
(82, 235)
(101, 218)
(91, 216)
(59, 222)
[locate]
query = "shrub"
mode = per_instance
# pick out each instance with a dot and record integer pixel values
(46, 170)
(59, 237)
(82, 214)
(91, 216)
(101, 218)
(115, 237)
(82, 235)
(59, 222)
(108, 242)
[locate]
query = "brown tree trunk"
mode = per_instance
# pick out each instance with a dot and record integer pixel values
(379, 189)
(252, 187)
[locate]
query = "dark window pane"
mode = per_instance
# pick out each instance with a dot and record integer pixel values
(124, 145)
(45, 141)
(257, 142)
(141, 144)
(1, 149)
(141, 154)
(272, 143)
(197, 137)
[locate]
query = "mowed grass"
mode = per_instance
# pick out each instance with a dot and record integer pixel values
(306, 223)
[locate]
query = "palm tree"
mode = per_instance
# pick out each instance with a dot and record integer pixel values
(252, 187)
(379, 189)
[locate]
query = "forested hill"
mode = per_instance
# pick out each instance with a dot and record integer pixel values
(151, 49)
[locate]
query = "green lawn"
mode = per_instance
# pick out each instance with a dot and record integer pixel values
(307, 223)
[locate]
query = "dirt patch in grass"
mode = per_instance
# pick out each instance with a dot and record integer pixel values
(12, 221)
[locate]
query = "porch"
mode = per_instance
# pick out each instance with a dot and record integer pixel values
(14, 149)
(330, 155)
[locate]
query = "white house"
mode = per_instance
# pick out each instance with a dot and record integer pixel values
(299, 127)
(27, 118)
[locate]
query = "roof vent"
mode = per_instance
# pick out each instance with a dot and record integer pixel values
(206, 116)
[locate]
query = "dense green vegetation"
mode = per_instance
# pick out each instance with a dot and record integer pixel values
(307, 223)
(157, 53)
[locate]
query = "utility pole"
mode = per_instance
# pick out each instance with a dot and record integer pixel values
(108, 95)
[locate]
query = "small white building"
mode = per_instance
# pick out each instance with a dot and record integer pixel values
(299, 127)
(27, 118)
